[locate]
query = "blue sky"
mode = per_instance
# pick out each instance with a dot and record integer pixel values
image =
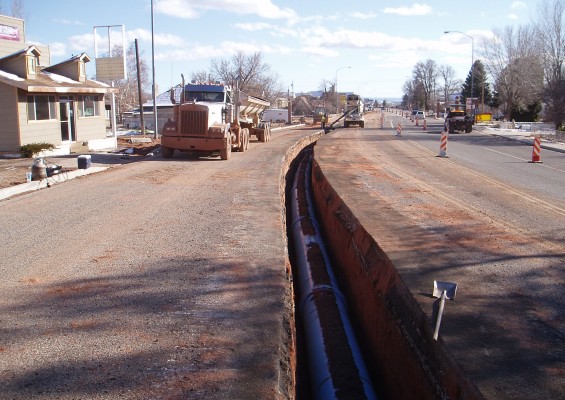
(304, 42)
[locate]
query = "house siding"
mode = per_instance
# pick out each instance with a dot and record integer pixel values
(90, 128)
(48, 131)
(71, 71)
(9, 130)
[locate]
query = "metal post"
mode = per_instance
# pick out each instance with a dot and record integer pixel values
(336, 92)
(156, 128)
(139, 93)
(114, 130)
(472, 64)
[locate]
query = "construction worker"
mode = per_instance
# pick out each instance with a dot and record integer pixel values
(323, 119)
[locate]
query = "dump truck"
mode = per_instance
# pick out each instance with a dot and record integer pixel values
(456, 118)
(354, 111)
(212, 117)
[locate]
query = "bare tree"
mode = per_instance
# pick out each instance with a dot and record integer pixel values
(413, 94)
(450, 84)
(201, 76)
(426, 73)
(550, 28)
(513, 59)
(17, 9)
(327, 86)
(249, 73)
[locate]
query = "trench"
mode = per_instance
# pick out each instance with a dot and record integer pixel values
(393, 355)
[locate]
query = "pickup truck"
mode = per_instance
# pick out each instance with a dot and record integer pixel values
(458, 120)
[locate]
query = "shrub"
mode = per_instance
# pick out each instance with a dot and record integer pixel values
(29, 150)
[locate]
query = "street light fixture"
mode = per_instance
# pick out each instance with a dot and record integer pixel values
(335, 88)
(472, 62)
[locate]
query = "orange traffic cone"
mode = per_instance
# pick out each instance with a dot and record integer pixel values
(536, 152)
(417, 119)
(424, 126)
(399, 129)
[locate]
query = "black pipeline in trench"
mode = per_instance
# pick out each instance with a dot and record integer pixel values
(329, 361)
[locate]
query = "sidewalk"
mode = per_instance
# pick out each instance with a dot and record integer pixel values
(14, 169)
(48, 182)
(521, 136)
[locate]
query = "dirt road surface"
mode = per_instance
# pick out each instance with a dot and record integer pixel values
(438, 220)
(162, 279)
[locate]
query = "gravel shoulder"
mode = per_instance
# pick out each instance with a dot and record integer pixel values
(161, 279)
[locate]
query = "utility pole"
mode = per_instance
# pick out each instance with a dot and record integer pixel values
(153, 89)
(141, 111)
(290, 94)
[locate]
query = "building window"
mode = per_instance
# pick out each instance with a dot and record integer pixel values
(40, 108)
(81, 71)
(89, 106)
(31, 65)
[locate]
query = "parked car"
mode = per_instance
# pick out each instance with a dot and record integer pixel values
(419, 115)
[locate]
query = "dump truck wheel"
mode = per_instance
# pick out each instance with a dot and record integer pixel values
(262, 135)
(167, 152)
(469, 129)
(268, 131)
(225, 153)
(244, 133)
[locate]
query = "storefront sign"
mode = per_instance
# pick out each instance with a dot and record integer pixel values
(9, 33)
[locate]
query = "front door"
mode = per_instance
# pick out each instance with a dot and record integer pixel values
(66, 111)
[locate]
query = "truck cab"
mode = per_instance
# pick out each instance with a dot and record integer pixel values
(354, 111)
(213, 118)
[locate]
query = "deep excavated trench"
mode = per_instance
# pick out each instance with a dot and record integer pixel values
(392, 334)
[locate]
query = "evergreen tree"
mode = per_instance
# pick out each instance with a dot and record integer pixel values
(479, 79)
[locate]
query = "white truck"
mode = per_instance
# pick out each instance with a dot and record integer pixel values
(205, 121)
(354, 112)
(278, 115)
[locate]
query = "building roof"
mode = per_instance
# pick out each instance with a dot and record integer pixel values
(49, 82)
(81, 57)
(23, 52)
(164, 99)
(46, 82)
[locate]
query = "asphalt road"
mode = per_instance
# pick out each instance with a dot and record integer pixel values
(160, 279)
(536, 190)
(483, 218)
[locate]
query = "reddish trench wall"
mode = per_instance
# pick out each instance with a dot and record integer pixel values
(403, 356)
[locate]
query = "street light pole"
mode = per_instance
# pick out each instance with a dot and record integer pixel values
(472, 62)
(335, 88)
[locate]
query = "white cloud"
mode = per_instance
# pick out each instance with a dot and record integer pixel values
(58, 49)
(512, 16)
(319, 51)
(188, 9)
(223, 50)
(161, 39)
(258, 26)
(360, 15)
(67, 22)
(343, 38)
(415, 9)
(517, 5)
(80, 43)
